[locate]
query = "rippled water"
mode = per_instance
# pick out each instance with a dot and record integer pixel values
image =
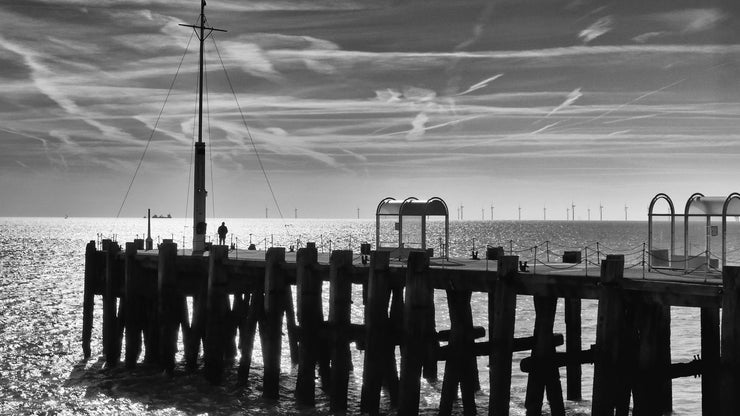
(41, 282)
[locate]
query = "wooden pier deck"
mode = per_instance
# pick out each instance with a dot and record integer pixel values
(233, 293)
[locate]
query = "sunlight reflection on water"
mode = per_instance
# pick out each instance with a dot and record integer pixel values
(41, 271)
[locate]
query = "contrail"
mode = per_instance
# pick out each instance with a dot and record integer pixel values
(572, 97)
(480, 85)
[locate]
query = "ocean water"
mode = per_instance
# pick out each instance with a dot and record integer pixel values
(42, 370)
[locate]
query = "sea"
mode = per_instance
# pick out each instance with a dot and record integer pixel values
(43, 372)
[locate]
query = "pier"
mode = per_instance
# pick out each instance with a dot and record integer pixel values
(212, 305)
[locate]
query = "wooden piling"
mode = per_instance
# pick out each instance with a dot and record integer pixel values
(167, 303)
(710, 356)
(88, 303)
(217, 315)
(609, 328)
(544, 377)
(501, 317)
(573, 346)
(248, 330)
(290, 323)
(730, 342)
(274, 299)
(111, 340)
(379, 344)
(340, 299)
(310, 320)
(458, 370)
(418, 302)
(131, 300)
(652, 371)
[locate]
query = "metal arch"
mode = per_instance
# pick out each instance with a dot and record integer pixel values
(656, 198)
(691, 199)
(730, 197)
(447, 225)
(377, 219)
(400, 218)
(383, 202)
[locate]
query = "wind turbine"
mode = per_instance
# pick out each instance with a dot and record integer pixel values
(601, 212)
(625, 212)
(573, 210)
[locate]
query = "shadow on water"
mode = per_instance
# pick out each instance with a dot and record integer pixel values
(187, 392)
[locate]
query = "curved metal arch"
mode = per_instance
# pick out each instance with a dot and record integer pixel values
(691, 199)
(400, 217)
(377, 218)
(730, 197)
(383, 202)
(447, 225)
(657, 198)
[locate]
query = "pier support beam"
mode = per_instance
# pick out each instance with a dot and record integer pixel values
(274, 298)
(572, 347)
(310, 320)
(710, 356)
(217, 313)
(502, 314)
(111, 320)
(340, 301)
(132, 300)
(418, 330)
(168, 307)
(379, 347)
(610, 327)
(461, 365)
(88, 302)
(730, 359)
(652, 381)
(544, 377)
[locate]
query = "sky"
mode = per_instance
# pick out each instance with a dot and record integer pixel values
(337, 104)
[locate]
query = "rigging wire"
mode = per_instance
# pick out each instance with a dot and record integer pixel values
(249, 134)
(154, 129)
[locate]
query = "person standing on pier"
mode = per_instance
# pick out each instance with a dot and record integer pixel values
(222, 231)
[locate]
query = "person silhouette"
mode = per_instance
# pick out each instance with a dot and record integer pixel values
(222, 230)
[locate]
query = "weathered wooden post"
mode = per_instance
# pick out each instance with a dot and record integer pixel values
(310, 319)
(652, 372)
(340, 299)
(274, 298)
(545, 374)
(502, 314)
(248, 329)
(730, 343)
(573, 347)
(609, 329)
(458, 369)
(88, 301)
(290, 323)
(418, 307)
(167, 304)
(378, 344)
(216, 332)
(132, 306)
(111, 338)
(710, 356)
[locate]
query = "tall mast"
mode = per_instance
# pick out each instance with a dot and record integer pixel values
(199, 174)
